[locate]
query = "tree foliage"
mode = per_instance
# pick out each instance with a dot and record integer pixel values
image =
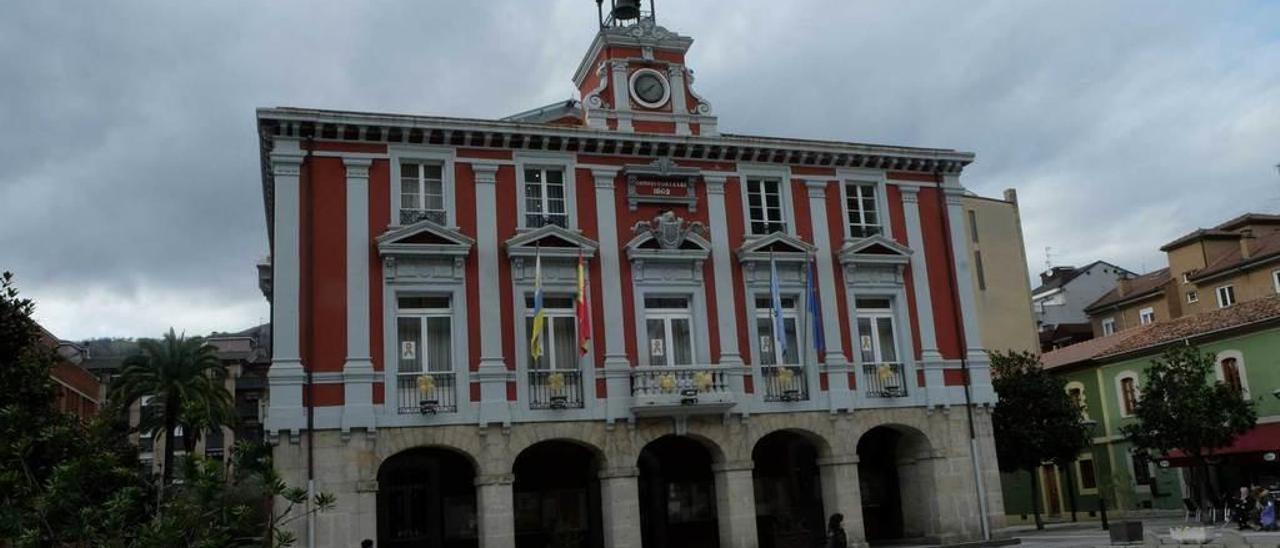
(1035, 420)
(1180, 408)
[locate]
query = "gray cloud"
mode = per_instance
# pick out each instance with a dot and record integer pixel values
(129, 195)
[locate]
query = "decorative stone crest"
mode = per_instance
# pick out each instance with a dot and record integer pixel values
(668, 230)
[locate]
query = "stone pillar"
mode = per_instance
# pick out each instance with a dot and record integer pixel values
(496, 511)
(679, 103)
(931, 359)
(621, 96)
(357, 372)
(617, 369)
(841, 493)
(620, 499)
(836, 366)
(736, 504)
(287, 374)
(979, 363)
(722, 266)
(492, 374)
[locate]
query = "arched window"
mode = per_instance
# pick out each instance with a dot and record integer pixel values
(1231, 372)
(1127, 387)
(1075, 389)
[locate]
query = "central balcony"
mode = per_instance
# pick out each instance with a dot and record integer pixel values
(426, 392)
(784, 383)
(884, 380)
(688, 389)
(555, 389)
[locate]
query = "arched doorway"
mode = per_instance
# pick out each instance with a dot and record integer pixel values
(557, 497)
(427, 498)
(788, 492)
(677, 494)
(895, 476)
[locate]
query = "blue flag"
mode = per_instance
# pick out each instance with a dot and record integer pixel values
(815, 309)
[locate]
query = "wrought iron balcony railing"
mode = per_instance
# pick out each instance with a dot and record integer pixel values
(427, 392)
(551, 389)
(785, 383)
(884, 380)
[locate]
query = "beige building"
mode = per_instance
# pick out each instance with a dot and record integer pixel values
(1000, 284)
(1208, 269)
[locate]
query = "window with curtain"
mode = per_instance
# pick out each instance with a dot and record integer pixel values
(669, 329)
(877, 342)
(544, 197)
(1129, 394)
(861, 208)
(1231, 374)
(768, 339)
(559, 334)
(764, 206)
(424, 334)
(422, 192)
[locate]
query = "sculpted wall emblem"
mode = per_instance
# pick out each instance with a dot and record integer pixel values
(668, 230)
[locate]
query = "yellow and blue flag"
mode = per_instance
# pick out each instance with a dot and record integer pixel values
(539, 318)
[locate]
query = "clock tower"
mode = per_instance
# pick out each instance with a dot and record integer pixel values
(633, 78)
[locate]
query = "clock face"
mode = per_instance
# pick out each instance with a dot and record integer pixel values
(650, 88)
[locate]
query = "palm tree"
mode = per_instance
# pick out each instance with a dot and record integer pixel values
(184, 377)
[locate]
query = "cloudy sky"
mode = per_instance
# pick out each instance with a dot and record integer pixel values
(130, 199)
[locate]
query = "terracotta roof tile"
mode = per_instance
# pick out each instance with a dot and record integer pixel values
(1086, 350)
(1261, 248)
(1146, 284)
(1197, 234)
(1186, 327)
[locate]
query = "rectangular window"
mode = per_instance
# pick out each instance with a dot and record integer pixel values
(1128, 395)
(977, 268)
(1088, 477)
(544, 198)
(422, 193)
(1193, 296)
(669, 330)
(1226, 296)
(860, 206)
(768, 339)
(1108, 326)
(424, 327)
(764, 206)
(1186, 277)
(1141, 468)
(876, 340)
(559, 333)
(1146, 316)
(973, 225)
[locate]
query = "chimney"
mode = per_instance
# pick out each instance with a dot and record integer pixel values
(1011, 196)
(1246, 237)
(1123, 285)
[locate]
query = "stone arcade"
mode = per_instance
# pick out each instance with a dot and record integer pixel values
(405, 257)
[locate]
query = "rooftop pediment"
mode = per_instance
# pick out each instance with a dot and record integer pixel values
(874, 249)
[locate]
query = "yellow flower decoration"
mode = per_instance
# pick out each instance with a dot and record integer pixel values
(667, 383)
(885, 372)
(785, 376)
(702, 380)
(556, 382)
(426, 385)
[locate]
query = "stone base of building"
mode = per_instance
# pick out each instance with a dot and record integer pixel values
(692, 481)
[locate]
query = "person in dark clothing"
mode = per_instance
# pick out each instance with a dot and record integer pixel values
(366, 543)
(835, 532)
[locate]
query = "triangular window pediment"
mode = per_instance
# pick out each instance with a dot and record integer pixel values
(424, 238)
(551, 241)
(874, 249)
(778, 246)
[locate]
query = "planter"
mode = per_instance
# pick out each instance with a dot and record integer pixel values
(1190, 535)
(1126, 532)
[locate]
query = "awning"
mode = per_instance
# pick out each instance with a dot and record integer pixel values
(1262, 443)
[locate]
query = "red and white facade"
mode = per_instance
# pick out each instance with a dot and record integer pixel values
(402, 271)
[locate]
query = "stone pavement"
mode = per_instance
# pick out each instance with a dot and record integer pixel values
(1089, 534)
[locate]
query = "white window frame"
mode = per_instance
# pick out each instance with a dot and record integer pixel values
(1226, 293)
(422, 189)
(549, 349)
(545, 161)
(1108, 326)
(864, 176)
(876, 314)
(1137, 391)
(788, 313)
(1220, 375)
(1133, 472)
(666, 315)
(1084, 397)
(432, 155)
(422, 314)
(1080, 488)
(1146, 315)
(1193, 296)
(783, 176)
(1275, 280)
(1186, 277)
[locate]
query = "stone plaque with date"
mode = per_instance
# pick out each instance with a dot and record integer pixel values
(661, 182)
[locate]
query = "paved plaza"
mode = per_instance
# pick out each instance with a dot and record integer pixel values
(1090, 533)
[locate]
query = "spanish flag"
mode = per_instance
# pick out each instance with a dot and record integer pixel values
(583, 310)
(539, 318)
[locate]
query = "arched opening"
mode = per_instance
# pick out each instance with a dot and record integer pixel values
(677, 494)
(427, 498)
(788, 492)
(557, 497)
(895, 476)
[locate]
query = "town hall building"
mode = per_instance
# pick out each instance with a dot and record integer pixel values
(737, 336)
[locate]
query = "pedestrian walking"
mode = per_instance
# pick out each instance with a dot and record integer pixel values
(835, 532)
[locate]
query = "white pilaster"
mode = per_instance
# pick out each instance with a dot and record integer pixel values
(493, 374)
(621, 96)
(617, 369)
(841, 494)
(675, 75)
(722, 265)
(736, 504)
(496, 516)
(357, 372)
(620, 498)
(836, 366)
(930, 358)
(287, 374)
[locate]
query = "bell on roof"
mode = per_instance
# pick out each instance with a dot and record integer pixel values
(623, 12)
